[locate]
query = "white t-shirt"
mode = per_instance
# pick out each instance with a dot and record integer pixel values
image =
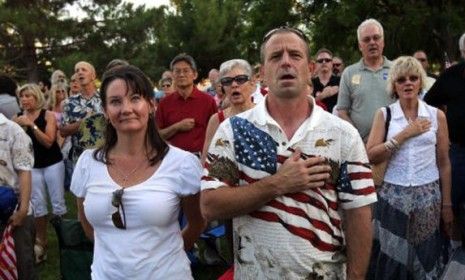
(151, 247)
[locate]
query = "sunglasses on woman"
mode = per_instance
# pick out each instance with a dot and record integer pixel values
(117, 201)
(403, 79)
(239, 79)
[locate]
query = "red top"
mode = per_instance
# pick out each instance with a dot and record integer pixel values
(174, 108)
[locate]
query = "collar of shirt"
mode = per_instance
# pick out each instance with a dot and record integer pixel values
(397, 112)
(3, 119)
(386, 64)
(262, 117)
(195, 94)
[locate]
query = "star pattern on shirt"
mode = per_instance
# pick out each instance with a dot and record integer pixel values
(343, 183)
(253, 147)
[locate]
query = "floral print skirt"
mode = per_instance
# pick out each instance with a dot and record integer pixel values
(408, 242)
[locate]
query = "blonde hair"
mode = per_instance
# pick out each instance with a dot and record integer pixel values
(36, 92)
(53, 96)
(404, 66)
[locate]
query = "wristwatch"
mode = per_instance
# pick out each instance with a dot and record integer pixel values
(35, 127)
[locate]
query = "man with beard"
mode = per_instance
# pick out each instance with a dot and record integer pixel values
(294, 178)
(182, 117)
(80, 106)
(363, 85)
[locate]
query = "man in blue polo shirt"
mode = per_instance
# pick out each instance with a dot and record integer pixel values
(363, 85)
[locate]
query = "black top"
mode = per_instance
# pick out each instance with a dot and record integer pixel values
(449, 90)
(43, 156)
(330, 102)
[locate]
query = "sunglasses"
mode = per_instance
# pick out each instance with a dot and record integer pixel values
(421, 59)
(239, 79)
(325, 60)
(375, 38)
(403, 79)
(296, 31)
(117, 201)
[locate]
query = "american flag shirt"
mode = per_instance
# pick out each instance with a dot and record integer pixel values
(298, 235)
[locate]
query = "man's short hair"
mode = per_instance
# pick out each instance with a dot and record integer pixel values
(229, 65)
(323, 50)
(88, 65)
(7, 85)
(284, 29)
(186, 58)
(370, 21)
(116, 62)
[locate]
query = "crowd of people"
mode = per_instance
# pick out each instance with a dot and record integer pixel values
(280, 152)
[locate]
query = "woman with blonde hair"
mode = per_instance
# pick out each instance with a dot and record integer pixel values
(48, 172)
(415, 196)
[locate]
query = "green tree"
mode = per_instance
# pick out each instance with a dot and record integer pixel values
(29, 32)
(434, 26)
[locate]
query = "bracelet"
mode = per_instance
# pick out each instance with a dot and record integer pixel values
(392, 145)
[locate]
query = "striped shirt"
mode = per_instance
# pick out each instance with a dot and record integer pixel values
(294, 235)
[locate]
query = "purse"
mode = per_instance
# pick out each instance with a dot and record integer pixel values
(379, 169)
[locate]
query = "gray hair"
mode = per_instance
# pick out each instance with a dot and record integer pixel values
(370, 21)
(186, 58)
(229, 65)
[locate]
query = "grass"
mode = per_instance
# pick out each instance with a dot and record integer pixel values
(50, 269)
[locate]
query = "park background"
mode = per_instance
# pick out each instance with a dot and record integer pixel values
(39, 36)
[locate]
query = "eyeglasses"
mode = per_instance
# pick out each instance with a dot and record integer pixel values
(166, 85)
(179, 71)
(117, 201)
(296, 31)
(239, 79)
(403, 79)
(325, 60)
(375, 38)
(337, 64)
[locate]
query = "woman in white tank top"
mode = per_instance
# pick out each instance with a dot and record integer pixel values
(415, 195)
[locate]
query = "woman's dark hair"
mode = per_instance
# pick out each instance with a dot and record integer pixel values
(138, 83)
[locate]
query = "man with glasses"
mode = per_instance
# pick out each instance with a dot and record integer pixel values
(182, 117)
(290, 175)
(325, 84)
(363, 85)
(338, 66)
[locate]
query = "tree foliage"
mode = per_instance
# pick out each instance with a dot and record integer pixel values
(38, 36)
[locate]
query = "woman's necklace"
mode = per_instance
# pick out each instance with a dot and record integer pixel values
(125, 177)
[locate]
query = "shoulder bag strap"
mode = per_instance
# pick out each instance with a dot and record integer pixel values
(388, 120)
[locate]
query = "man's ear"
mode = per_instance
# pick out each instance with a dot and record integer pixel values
(196, 74)
(311, 67)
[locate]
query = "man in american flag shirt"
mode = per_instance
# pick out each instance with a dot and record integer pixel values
(294, 178)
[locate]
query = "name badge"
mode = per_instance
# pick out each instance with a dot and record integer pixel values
(356, 79)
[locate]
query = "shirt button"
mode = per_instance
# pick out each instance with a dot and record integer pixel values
(283, 143)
